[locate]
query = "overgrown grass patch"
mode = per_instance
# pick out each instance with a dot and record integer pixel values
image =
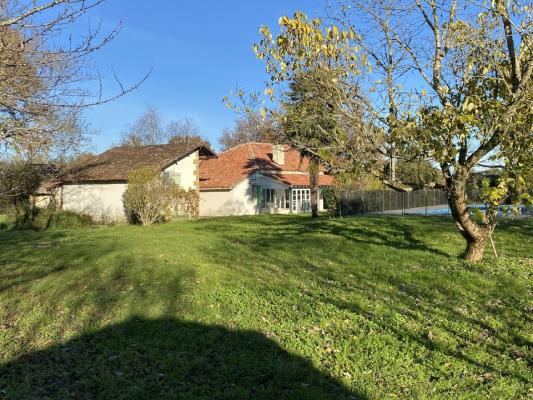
(4, 221)
(44, 219)
(265, 307)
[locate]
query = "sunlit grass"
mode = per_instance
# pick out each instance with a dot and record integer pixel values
(365, 307)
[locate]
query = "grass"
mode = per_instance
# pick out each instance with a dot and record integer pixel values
(267, 307)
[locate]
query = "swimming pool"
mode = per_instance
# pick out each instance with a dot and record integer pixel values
(445, 210)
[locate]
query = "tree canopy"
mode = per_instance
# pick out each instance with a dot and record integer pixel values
(436, 81)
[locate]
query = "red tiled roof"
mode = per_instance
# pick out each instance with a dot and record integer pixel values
(234, 165)
(117, 163)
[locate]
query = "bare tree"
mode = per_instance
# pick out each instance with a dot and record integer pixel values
(184, 131)
(151, 128)
(250, 127)
(42, 74)
(376, 23)
(147, 129)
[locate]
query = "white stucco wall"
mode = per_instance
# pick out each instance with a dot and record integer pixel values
(238, 201)
(103, 202)
(186, 167)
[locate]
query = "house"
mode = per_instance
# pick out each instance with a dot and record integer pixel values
(256, 178)
(248, 179)
(97, 186)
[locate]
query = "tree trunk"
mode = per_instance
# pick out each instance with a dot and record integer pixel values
(476, 236)
(475, 249)
(313, 179)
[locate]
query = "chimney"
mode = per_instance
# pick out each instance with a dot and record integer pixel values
(278, 154)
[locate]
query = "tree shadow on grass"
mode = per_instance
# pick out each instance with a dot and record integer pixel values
(393, 232)
(428, 299)
(167, 359)
(19, 265)
(506, 339)
(397, 235)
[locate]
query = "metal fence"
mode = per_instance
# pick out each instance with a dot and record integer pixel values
(363, 202)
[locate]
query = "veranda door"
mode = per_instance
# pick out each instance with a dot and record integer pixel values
(300, 200)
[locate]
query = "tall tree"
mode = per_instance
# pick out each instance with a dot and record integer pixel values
(384, 61)
(310, 122)
(305, 55)
(470, 96)
(474, 103)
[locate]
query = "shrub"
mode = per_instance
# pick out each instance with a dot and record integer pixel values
(5, 221)
(20, 216)
(416, 173)
(187, 202)
(43, 219)
(46, 219)
(330, 201)
(18, 179)
(151, 197)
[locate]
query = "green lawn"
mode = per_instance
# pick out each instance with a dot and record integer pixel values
(267, 307)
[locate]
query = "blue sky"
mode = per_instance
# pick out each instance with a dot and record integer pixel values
(199, 52)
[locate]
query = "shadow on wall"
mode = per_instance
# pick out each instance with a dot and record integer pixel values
(167, 359)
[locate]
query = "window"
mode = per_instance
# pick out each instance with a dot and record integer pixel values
(173, 176)
(301, 200)
(285, 199)
(274, 198)
(176, 177)
(257, 194)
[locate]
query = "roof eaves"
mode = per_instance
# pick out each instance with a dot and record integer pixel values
(182, 156)
(91, 180)
(207, 189)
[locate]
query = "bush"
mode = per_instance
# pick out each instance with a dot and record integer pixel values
(151, 197)
(46, 219)
(18, 179)
(5, 221)
(330, 201)
(187, 202)
(20, 216)
(43, 219)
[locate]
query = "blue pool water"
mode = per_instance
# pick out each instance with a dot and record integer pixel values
(446, 210)
(440, 211)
